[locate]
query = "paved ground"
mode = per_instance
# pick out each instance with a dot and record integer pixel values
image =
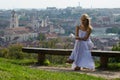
(109, 75)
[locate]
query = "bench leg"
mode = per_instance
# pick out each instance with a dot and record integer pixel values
(41, 59)
(103, 62)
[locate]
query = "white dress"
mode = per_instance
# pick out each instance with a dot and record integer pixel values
(81, 53)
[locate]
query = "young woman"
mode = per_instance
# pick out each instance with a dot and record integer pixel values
(81, 54)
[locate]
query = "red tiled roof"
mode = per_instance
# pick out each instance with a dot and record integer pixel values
(51, 35)
(18, 30)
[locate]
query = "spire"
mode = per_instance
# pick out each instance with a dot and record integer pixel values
(13, 20)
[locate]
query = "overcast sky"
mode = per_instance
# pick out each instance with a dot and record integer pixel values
(11, 4)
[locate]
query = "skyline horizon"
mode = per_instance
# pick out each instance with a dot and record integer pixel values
(43, 4)
(55, 7)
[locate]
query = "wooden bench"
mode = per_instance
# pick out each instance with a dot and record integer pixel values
(104, 55)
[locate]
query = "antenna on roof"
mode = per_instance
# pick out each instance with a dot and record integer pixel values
(79, 4)
(91, 4)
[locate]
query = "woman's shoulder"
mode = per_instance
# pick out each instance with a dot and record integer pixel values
(78, 27)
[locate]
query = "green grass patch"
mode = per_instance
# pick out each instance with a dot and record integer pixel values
(14, 70)
(114, 66)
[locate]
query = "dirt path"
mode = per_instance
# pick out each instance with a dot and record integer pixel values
(109, 75)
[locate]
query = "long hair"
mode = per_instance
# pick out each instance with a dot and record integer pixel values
(88, 22)
(86, 16)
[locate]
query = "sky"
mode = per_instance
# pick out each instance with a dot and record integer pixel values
(41, 4)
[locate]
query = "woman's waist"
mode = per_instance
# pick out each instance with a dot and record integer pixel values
(88, 40)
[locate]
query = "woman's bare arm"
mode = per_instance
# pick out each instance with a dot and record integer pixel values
(77, 33)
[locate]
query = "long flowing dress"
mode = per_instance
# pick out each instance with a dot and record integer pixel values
(81, 53)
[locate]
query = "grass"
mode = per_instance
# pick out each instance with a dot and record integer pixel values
(114, 66)
(111, 66)
(18, 70)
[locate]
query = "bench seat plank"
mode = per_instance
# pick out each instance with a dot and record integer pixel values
(68, 52)
(104, 55)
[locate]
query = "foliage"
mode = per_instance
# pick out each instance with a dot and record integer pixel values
(23, 18)
(118, 19)
(41, 37)
(115, 48)
(52, 43)
(14, 51)
(56, 59)
(49, 44)
(46, 62)
(113, 30)
(4, 52)
(2, 32)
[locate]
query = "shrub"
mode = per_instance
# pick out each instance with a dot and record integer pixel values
(15, 51)
(115, 48)
(4, 52)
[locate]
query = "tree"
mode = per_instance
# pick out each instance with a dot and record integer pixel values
(115, 48)
(41, 37)
(15, 51)
(113, 30)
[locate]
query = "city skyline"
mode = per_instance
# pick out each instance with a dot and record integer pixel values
(11, 4)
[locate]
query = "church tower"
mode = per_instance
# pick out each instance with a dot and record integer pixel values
(14, 20)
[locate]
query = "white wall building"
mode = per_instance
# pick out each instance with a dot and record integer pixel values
(16, 33)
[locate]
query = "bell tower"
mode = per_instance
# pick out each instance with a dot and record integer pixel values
(14, 20)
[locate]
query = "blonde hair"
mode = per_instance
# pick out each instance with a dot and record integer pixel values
(86, 16)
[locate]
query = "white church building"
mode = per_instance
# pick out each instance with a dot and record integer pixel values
(16, 33)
